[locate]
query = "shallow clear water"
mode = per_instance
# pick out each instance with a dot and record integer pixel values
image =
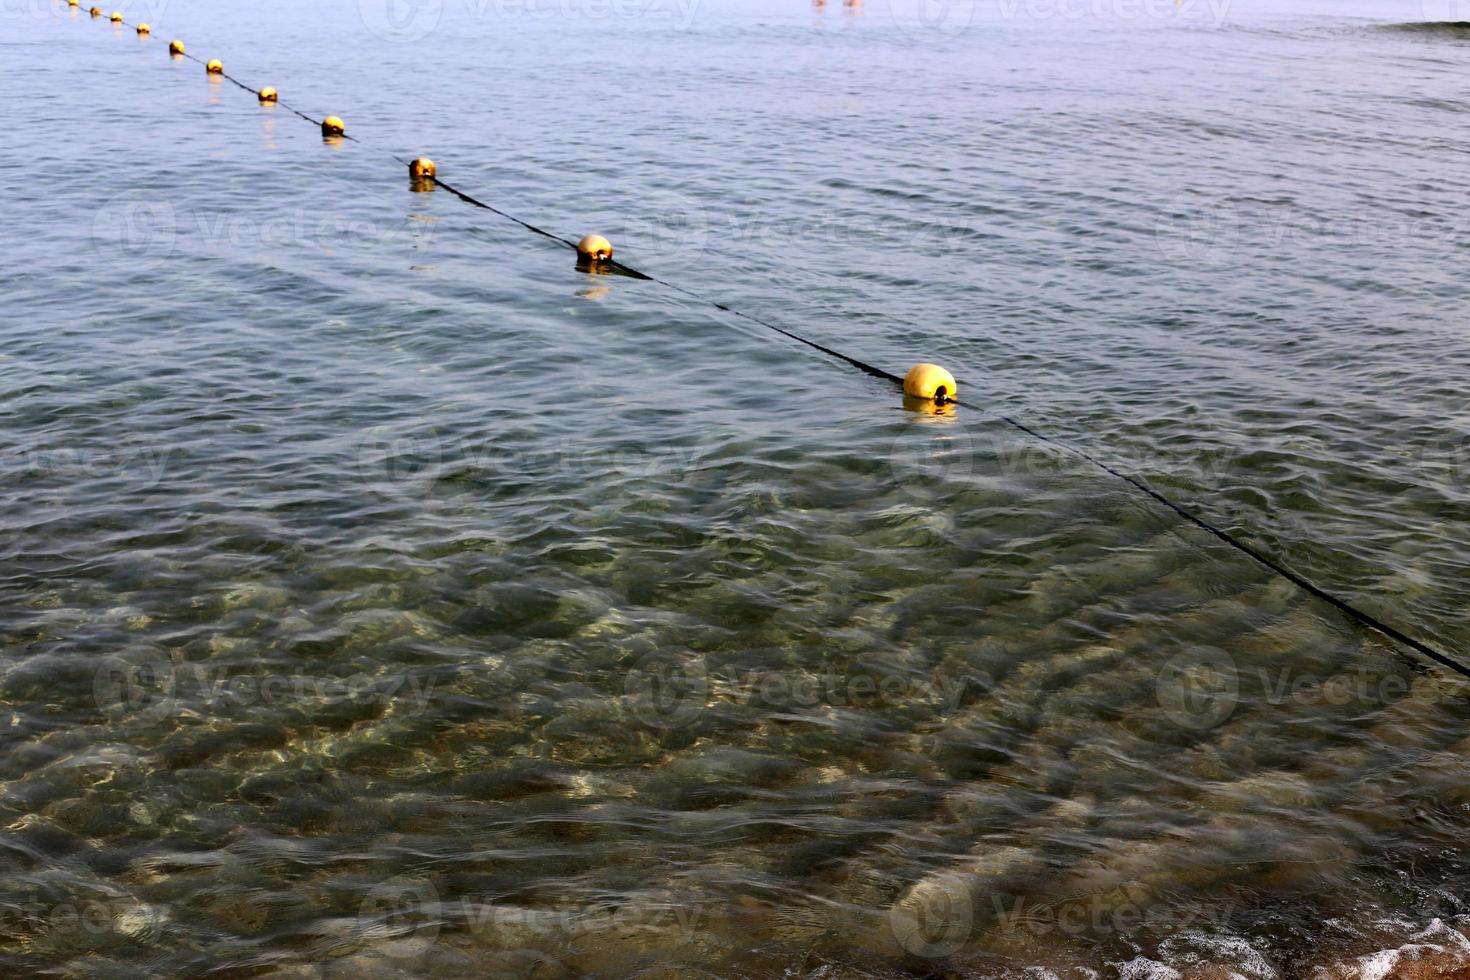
(383, 596)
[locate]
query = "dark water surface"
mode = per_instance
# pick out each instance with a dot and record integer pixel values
(382, 596)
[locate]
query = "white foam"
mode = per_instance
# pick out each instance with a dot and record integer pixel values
(1235, 953)
(1444, 936)
(1377, 965)
(1143, 968)
(1434, 939)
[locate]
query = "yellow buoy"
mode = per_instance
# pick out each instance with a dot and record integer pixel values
(594, 248)
(176, 47)
(215, 67)
(71, 3)
(333, 126)
(931, 382)
(116, 17)
(421, 168)
(144, 29)
(267, 94)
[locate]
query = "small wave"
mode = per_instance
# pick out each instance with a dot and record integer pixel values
(1437, 950)
(1452, 28)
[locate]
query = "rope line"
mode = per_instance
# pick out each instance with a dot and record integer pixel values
(1353, 612)
(1366, 618)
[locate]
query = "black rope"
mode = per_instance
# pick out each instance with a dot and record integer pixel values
(863, 366)
(1367, 619)
(1352, 611)
(476, 202)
